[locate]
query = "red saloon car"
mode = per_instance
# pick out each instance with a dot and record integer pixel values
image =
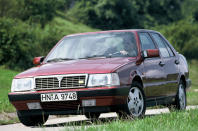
(121, 71)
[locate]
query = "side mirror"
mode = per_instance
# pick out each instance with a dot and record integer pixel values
(150, 53)
(38, 60)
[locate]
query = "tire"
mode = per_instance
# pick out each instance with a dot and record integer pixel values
(92, 116)
(135, 106)
(180, 99)
(35, 120)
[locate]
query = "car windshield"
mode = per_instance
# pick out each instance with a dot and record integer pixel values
(114, 44)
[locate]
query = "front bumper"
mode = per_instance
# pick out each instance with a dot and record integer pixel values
(107, 99)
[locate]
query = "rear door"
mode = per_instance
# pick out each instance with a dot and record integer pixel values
(153, 73)
(171, 64)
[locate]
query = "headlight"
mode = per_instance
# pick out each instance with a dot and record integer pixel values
(103, 80)
(24, 84)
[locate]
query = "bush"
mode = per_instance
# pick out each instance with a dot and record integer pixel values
(21, 42)
(183, 36)
(18, 43)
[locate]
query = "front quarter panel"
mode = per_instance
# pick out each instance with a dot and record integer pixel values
(128, 72)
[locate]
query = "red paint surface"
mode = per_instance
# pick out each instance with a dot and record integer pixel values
(36, 60)
(22, 105)
(153, 53)
(100, 65)
(107, 100)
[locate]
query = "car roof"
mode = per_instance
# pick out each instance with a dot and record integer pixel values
(108, 31)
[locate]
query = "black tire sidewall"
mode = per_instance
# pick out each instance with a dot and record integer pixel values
(33, 120)
(92, 115)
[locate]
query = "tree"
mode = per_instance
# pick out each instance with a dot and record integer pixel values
(105, 14)
(165, 11)
(119, 14)
(7, 7)
(18, 43)
(38, 11)
(195, 15)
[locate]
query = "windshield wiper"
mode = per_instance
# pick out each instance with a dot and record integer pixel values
(59, 59)
(94, 56)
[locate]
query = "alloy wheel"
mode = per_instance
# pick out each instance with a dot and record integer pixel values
(182, 97)
(135, 101)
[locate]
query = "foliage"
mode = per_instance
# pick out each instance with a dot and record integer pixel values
(6, 7)
(21, 42)
(6, 80)
(65, 5)
(119, 14)
(189, 9)
(195, 15)
(183, 36)
(31, 28)
(38, 11)
(17, 40)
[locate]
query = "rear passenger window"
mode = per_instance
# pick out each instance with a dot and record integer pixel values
(168, 47)
(162, 47)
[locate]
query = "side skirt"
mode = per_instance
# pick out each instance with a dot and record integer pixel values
(160, 101)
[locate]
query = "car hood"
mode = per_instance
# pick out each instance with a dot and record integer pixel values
(97, 65)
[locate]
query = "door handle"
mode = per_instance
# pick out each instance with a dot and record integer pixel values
(161, 63)
(177, 62)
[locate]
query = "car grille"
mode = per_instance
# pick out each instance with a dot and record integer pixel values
(60, 81)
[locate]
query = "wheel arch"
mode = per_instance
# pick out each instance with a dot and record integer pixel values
(138, 79)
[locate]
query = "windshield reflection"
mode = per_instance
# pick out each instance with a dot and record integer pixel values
(114, 44)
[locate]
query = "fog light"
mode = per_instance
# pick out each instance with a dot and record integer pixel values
(89, 102)
(34, 105)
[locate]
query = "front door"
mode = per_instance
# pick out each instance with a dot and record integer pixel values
(153, 73)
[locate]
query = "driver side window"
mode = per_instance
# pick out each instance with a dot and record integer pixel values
(146, 41)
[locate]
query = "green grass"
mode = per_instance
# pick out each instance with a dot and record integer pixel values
(175, 121)
(6, 77)
(68, 27)
(192, 94)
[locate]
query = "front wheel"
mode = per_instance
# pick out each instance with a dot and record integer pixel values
(93, 116)
(135, 106)
(34, 120)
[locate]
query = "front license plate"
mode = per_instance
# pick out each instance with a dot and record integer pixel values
(68, 96)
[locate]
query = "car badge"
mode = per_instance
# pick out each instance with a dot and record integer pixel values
(81, 81)
(59, 80)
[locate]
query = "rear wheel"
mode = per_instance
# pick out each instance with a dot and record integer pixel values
(34, 120)
(135, 106)
(180, 100)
